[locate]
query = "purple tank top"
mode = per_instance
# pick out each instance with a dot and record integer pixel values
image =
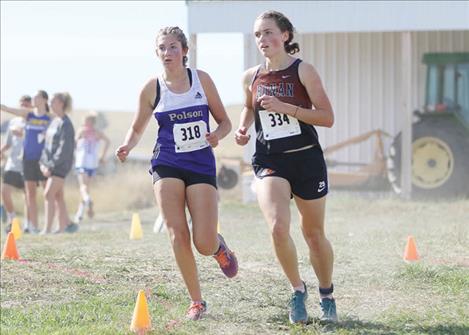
(183, 121)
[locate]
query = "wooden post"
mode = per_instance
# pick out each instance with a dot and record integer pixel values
(406, 125)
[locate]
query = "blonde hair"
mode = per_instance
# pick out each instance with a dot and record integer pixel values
(66, 100)
(91, 116)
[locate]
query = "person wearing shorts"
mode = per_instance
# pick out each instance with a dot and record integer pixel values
(56, 162)
(183, 162)
(286, 100)
(37, 120)
(87, 162)
(13, 170)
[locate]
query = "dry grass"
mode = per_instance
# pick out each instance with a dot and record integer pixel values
(129, 188)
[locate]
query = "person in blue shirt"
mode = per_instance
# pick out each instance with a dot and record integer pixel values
(37, 121)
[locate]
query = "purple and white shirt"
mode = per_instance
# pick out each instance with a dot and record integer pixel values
(183, 120)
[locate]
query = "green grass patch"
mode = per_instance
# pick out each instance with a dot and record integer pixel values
(444, 279)
(87, 283)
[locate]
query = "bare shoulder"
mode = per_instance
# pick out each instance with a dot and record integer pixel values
(308, 73)
(150, 85)
(204, 77)
(308, 70)
(249, 73)
(148, 92)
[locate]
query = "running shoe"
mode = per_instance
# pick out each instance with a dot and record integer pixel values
(226, 259)
(329, 310)
(34, 231)
(196, 310)
(72, 227)
(298, 312)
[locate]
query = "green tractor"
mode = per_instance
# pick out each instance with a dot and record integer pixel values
(440, 137)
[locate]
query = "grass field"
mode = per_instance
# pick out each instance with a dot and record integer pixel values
(87, 283)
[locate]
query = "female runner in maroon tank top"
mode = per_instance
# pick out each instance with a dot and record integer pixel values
(285, 99)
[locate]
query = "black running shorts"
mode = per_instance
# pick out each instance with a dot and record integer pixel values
(188, 177)
(305, 170)
(32, 172)
(13, 178)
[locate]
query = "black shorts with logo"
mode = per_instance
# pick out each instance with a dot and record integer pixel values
(187, 176)
(32, 172)
(305, 170)
(13, 178)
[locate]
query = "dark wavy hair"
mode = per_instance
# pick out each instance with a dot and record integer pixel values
(284, 24)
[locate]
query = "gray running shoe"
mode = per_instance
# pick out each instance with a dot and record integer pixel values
(329, 310)
(298, 312)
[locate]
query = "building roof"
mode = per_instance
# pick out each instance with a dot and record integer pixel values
(330, 16)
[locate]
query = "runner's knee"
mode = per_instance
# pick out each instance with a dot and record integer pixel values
(280, 230)
(178, 236)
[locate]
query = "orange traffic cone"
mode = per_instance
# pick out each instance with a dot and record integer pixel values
(9, 250)
(141, 319)
(410, 253)
(16, 228)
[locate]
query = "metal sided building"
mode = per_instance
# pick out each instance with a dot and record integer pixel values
(368, 54)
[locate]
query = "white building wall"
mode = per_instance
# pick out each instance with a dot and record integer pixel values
(362, 73)
(330, 16)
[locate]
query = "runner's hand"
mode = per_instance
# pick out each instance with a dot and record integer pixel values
(122, 152)
(272, 104)
(240, 136)
(45, 171)
(212, 139)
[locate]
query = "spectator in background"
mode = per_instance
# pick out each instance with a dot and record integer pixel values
(13, 171)
(56, 162)
(37, 121)
(87, 161)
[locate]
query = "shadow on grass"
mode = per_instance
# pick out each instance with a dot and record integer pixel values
(355, 326)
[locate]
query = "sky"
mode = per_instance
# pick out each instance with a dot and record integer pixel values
(102, 52)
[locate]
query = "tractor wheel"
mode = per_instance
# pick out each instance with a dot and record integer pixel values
(440, 159)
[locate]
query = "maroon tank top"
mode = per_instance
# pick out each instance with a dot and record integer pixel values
(287, 87)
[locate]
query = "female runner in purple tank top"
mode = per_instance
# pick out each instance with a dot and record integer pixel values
(183, 163)
(285, 99)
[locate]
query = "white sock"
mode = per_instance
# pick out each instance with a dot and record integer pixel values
(11, 216)
(300, 288)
